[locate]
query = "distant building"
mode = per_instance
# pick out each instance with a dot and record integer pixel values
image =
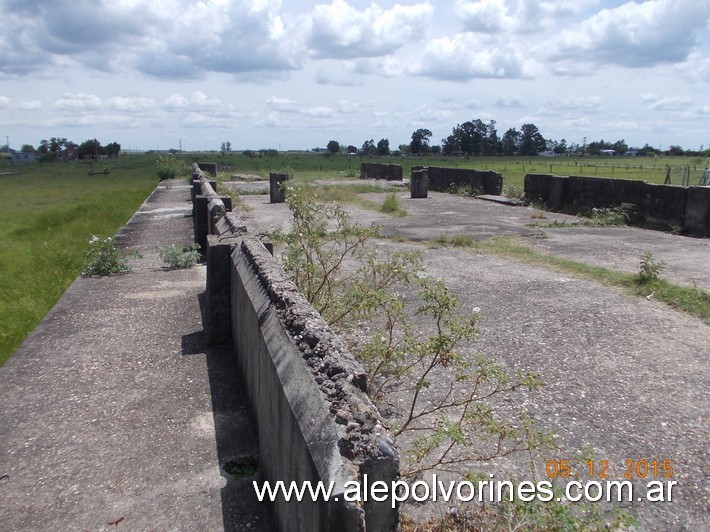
(607, 152)
(22, 157)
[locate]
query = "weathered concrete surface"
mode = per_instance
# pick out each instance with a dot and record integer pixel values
(624, 375)
(114, 409)
(315, 422)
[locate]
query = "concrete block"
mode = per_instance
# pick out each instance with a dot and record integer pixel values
(218, 315)
(697, 212)
(419, 184)
(277, 187)
(201, 222)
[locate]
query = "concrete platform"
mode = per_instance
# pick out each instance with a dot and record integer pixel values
(114, 414)
(626, 377)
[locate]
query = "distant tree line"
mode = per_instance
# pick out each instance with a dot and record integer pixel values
(59, 148)
(477, 138)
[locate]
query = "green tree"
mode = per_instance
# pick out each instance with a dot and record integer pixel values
(420, 142)
(510, 142)
(333, 147)
(368, 148)
(383, 147)
(89, 149)
(531, 140)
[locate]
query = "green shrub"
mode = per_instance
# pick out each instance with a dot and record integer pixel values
(178, 257)
(103, 258)
(649, 269)
(170, 167)
(391, 204)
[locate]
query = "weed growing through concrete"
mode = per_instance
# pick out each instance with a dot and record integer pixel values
(103, 258)
(242, 468)
(237, 200)
(177, 256)
(514, 191)
(170, 166)
(391, 205)
(649, 269)
(464, 190)
(611, 216)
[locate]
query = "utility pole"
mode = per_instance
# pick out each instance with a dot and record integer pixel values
(180, 145)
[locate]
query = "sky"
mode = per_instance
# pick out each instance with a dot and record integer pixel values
(161, 74)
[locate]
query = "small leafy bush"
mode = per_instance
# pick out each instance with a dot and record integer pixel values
(391, 204)
(103, 258)
(179, 257)
(170, 167)
(649, 269)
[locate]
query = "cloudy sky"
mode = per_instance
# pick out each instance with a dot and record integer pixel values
(150, 74)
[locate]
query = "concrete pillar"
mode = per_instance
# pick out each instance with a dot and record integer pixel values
(419, 185)
(218, 315)
(201, 222)
(277, 187)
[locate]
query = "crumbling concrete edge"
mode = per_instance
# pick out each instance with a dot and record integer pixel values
(310, 398)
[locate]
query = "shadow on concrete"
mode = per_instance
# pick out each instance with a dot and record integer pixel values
(236, 435)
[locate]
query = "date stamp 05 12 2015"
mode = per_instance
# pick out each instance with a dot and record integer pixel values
(657, 474)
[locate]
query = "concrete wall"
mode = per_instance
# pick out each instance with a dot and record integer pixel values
(485, 182)
(654, 205)
(390, 172)
(208, 207)
(315, 419)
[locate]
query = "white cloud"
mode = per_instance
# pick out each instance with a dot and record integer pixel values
(465, 57)
(696, 68)
(200, 99)
(388, 67)
(78, 102)
(510, 102)
(347, 106)
(176, 101)
(325, 77)
(340, 31)
(274, 120)
(520, 16)
(284, 105)
(633, 35)
(30, 105)
(672, 103)
(131, 104)
(571, 103)
(169, 39)
(486, 16)
(319, 112)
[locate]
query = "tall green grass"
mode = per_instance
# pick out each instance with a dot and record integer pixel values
(48, 213)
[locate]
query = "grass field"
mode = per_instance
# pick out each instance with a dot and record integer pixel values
(48, 213)
(320, 166)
